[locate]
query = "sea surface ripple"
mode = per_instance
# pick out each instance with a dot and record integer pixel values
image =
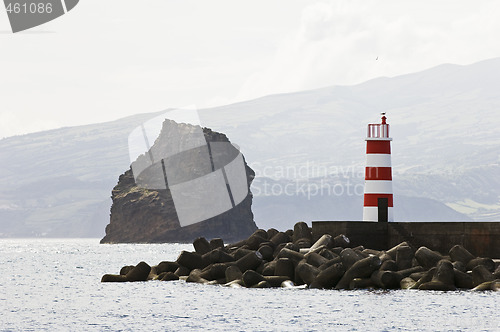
(54, 285)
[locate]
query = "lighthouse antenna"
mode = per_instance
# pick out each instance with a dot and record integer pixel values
(383, 118)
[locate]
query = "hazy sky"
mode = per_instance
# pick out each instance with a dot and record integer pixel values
(109, 59)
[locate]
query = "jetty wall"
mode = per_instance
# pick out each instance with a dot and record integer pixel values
(480, 238)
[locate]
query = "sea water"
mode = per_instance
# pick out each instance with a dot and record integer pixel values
(54, 285)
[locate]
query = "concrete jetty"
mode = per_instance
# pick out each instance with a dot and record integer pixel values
(480, 238)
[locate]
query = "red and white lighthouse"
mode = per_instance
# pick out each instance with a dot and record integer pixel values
(378, 200)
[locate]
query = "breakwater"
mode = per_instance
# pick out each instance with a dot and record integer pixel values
(295, 259)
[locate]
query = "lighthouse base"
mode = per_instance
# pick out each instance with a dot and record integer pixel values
(373, 213)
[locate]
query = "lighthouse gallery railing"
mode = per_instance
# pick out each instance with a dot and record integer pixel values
(378, 130)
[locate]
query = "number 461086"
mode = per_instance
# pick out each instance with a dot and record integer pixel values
(32, 8)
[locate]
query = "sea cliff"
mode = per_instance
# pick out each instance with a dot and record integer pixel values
(143, 215)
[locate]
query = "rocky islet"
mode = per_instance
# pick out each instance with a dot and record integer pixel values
(144, 215)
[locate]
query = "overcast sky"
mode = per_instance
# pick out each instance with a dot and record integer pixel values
(109, 59)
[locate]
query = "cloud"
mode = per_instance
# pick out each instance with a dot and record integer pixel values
(10, 121)
(348, 42)
(120, 60)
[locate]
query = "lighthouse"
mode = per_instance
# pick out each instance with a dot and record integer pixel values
(378, 197)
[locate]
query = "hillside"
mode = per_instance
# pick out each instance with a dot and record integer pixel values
(58, 183)
(444, 122)
(446, 154)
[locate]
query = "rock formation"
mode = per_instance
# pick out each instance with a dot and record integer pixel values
(143, 215)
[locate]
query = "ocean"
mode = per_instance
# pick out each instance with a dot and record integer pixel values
(54, 285)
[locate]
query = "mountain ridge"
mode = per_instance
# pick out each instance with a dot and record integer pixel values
(443, 121)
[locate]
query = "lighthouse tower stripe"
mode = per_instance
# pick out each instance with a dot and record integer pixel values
(378, 187)
(378, 146)
(378, 160)
(372, 199)
(378, 173)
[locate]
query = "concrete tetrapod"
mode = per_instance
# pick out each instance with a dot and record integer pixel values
(201, 245)
(216, 243)
(386, 279)
(481, 274)
(324, 240)
(361, 269)
(350, 256)
(302, 232)
(307, 272)
(233, 273)
(443, 278)
(168, 276)
(493, 285)
(427, 258)
(285, 267)
(462, 279)
(460, 254)
(329, 277)
(487, 262)
(404, 257)
(140, 272)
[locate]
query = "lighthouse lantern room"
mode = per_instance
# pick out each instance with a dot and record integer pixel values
(378, 197)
